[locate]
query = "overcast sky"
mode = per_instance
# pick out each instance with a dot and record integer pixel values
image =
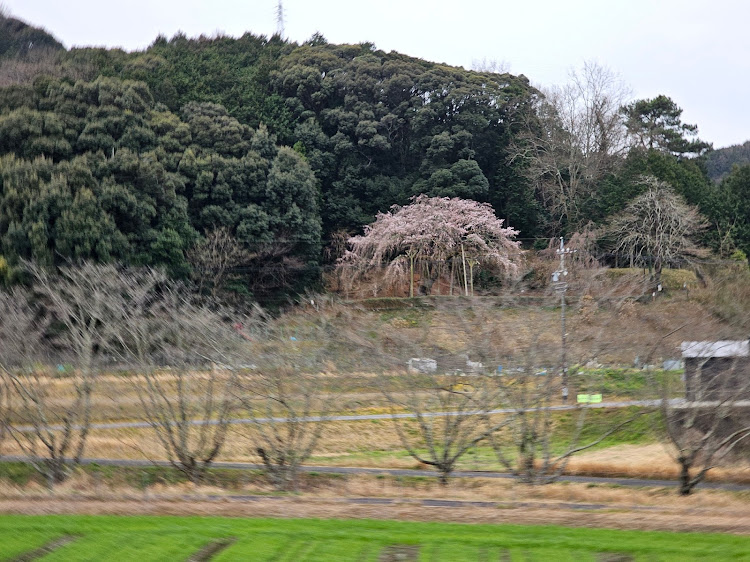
(695, 51)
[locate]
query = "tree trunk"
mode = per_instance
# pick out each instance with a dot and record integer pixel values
(686, 484)
(453, 274)
(657, 268)
(56, 471)
(443, 478)
(527, 467)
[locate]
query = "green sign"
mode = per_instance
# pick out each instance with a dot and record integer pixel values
(589, 398)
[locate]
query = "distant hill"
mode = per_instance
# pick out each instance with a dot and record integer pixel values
(719, 162)
(139, 157)
(19, 38)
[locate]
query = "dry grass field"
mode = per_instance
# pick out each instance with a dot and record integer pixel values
(602, 334)
(469, 501)
(602, 331)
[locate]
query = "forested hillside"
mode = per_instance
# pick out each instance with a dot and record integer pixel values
(143, 157)
(20, 38)
(720, 162)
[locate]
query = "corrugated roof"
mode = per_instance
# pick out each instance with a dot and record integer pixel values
(721, 348)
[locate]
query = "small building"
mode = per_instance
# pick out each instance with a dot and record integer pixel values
(422, 365)
(717, 370)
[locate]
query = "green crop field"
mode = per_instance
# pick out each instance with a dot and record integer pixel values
(196, 538)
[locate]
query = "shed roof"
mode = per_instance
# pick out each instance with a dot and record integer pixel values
(721, 348)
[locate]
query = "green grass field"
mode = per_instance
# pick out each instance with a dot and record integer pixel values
(179, 538)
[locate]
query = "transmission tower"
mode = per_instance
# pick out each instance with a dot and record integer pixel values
(280, 20)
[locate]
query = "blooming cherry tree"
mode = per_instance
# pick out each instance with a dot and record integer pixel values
(436, 237)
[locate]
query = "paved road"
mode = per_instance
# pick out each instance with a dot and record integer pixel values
(634, 482)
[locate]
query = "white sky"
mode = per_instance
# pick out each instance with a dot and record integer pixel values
(695, 51)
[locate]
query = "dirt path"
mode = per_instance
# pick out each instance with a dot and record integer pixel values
(668, 518)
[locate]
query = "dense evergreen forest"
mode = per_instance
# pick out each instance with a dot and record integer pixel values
(719, 163)
(286, 148)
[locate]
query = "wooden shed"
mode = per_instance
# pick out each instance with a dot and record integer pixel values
(717, 370)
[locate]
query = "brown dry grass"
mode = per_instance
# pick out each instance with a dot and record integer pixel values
(341, 439)
(682, 521)
(603, 506)
(83, 484)
(375, 444)
(648, 461)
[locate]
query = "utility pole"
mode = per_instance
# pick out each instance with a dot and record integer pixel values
(558, 278)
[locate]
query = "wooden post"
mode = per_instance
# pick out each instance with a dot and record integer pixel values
(472, 262)
(412, 255)
(466, 281)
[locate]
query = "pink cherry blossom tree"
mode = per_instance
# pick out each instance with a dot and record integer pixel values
(434, 237)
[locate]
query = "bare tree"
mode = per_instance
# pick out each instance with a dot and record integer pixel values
(20, 332)
(19, 338)
(452, 414)
(492, 66)
(534, 449)
(90, 303)
(186, 377)
(701, 431)
(477, 385)
(213, 258)
(656, 229)
(273, 267)
(525, 371)
(51, 432)
(80, 299)
(88, 300)
(45, 422)
(440, 387)
(574, 136)
(288, 407)
(293, 387)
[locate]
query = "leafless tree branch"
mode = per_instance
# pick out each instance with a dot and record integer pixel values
(574, 136)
